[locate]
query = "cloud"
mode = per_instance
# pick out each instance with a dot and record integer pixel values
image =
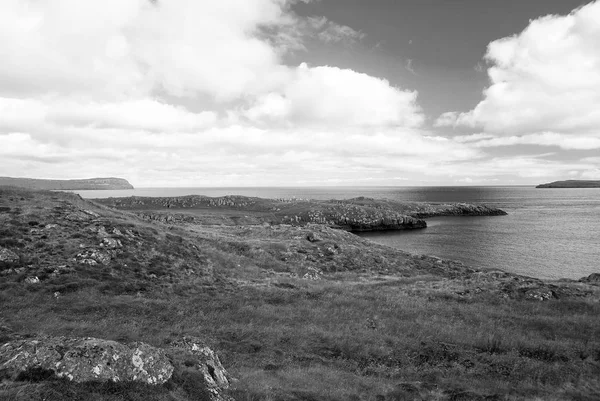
(472, 137)
(330, 32)
(591, 174)
(228, 155)
(518, 169)
(409, 66)
(145, 114)
(330, 95)
(118, 48)
(187, 93)
(448, 119)
(542, 139)
(544, 79)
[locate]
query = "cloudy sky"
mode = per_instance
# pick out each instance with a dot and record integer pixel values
(301, 92)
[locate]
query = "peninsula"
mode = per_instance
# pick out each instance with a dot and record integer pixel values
(571, 184)
(81, 184)
(357, 214)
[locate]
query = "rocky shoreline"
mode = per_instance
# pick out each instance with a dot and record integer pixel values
(357, 214)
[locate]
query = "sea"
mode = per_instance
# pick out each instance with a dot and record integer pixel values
(548, 233)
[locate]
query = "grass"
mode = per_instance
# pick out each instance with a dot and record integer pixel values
(386, 327)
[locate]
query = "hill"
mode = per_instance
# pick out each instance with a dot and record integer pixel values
(571, 184)
(294, 312)
(83, 184)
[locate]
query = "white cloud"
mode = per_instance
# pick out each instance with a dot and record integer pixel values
(131, 47)
(543, 79)
(145, 114)
(472, 137)
(188, 92)
(543, 139)
(330, 95)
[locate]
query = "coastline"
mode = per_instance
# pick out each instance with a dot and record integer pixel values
(275, 301)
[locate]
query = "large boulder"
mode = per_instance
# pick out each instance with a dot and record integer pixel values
(92, 359)
(86, 359)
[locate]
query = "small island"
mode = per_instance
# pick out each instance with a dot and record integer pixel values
(571, 184)
(81, 184)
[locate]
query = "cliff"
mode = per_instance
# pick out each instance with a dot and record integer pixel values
(82, 184)
(571, 184)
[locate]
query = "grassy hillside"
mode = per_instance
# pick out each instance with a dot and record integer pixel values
(295, 312)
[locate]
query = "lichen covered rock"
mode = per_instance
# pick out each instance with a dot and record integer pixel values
(87, 359)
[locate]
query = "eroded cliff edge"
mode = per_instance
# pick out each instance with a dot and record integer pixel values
(357, 214)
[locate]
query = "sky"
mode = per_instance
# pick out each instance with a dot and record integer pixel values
(191, 93)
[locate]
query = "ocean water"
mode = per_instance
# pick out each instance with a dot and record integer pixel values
(548, 233)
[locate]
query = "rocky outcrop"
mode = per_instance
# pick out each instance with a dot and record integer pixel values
(593, 278)
(571, 184)
(358, 214)
(456, 209)
(83, 184)
(86, 359)
(355, 218)
(92, 359)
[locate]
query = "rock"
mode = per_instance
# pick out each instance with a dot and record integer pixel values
(78, 216)
(111, 243)
(313, 274)
(593, 278)
(208, 363)
(32, 280)
(94, 256)
(313, 237)
(8, 256)
(14, 270)
(87, 359)
(54, 272)
(539, 294)
(91, 213)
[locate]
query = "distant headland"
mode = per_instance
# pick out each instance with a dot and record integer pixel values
(81, 184)
(571, 184)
